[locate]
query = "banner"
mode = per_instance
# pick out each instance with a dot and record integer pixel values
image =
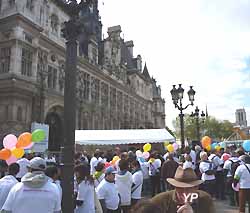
(43, 145)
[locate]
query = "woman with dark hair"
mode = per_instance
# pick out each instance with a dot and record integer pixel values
(85, 194)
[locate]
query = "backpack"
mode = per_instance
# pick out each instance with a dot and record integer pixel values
(234, 166)
(211, 170)
(214, 165)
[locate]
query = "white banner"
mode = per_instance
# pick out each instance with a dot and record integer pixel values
(41, 146)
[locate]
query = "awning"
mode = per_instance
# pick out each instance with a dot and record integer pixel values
(122, 136)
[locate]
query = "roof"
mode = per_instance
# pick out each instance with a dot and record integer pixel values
(146, 73)
(122, 136)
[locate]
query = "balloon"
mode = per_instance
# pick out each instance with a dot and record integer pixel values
(107, 164)
(24, 140)
(115, 158)
(223, 145)
(145, 155)
(176, 146)
(208, 148)
(246, 145)
(29, 147)
(138, 153)
(38, 135)
(170, 148)
(217, 148)
(11, 159)
(17, 152)
(213, 145)
(147, 147)
(5, 154)
(205, 141)
(9, 141)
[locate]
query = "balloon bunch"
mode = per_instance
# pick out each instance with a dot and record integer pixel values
(14, 147)
(206, 143)
(143, 156)
(172, 147)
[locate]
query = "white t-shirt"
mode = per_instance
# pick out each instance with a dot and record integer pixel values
(243, 175)
(145, 169)
(154, 166)
(137, 178)
(188, 164)
(6, 183)
(124, 184)
(99, 180)
(217, 161)
(86, 194)
(108, 192)
(58, 184)
(205, 166)
(228, 165)
(22, 199)
(93, 162)
(193, 156)
(23, 163)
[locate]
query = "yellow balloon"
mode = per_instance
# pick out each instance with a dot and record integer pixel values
(217, 148)
(147, 147)
(208, 148)
(17, 152)
(115, 158)
(170, 148)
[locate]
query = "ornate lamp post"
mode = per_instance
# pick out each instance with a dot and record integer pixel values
(197, 116)
(73, 28)
(177, 96)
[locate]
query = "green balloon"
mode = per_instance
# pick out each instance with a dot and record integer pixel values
(38, 135)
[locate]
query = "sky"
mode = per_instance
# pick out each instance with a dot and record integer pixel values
(203, 43)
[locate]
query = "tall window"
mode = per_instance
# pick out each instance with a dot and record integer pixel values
(26, 62)
(54, 23)
(5, 60)
(52, 77)
(30, 5)
(19, 114)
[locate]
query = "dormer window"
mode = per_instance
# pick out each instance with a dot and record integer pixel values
(54, 23)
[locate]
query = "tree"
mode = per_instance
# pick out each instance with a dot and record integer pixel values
(212, 127)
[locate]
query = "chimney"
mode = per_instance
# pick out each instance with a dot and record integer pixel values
(130, 45)
(114, 31)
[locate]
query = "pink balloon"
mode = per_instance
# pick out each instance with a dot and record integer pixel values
(176, 146)
(9, 141)
(11, 160)
(145, 155)
(29, 146)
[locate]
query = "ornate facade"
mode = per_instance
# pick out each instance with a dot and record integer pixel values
(113, 91)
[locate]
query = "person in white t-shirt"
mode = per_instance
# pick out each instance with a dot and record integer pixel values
(155, 173)
(242, 176)
(23, 163)
(35, 193)
(7, 182)
(85, 201)
(53, 174)
(188, 162)
(137, 177)
(219, 174)
(94, 161)
(123, 182)
(107, 192)
(207, 174)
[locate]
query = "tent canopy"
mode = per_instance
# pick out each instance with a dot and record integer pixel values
(122, 136)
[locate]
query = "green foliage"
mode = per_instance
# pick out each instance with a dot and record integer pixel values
(216, 129)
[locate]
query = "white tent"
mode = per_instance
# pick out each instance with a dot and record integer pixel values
(123, 136)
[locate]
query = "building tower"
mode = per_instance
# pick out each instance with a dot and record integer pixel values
(241, 119)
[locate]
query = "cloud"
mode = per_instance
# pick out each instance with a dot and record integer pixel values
(197, 42)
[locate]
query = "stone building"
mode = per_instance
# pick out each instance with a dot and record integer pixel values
(241, 118)
(114, 89)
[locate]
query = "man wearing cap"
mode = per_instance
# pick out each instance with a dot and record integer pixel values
(35, 193)
(107, 192)
(186, 198)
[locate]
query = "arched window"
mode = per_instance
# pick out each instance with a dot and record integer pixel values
(19, 114)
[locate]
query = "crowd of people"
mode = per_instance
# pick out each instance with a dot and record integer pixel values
(121, 181)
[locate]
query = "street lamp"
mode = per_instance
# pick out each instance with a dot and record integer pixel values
(177, 96)
(196, 114)
(73, 28)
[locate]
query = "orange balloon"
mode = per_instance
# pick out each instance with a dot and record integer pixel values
(5, 154)
(24, 140)
(206, 141)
